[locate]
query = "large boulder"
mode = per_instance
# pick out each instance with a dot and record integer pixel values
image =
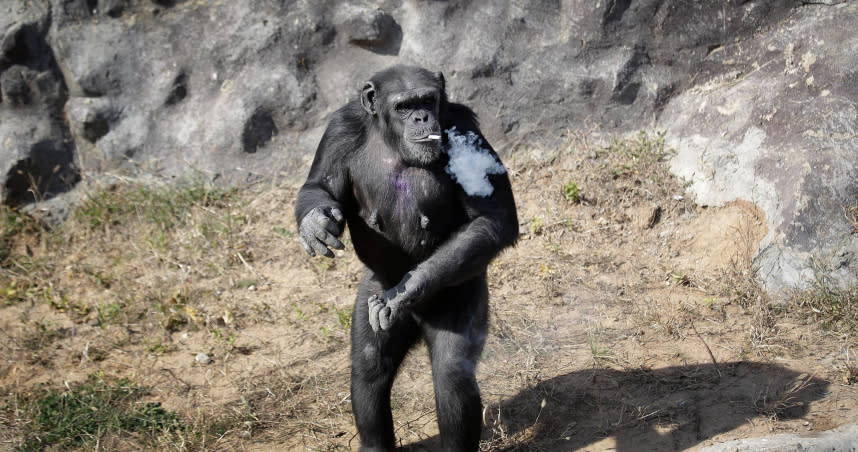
(778, 128)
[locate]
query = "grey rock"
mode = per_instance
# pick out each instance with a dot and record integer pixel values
(54, 211)
(14, 85)
(202, 358)
(841, 439)
(74, 10)
(90, 117)
(112, 8)
(37, 154)
(372, 29)
(779, 131)
(196, 89)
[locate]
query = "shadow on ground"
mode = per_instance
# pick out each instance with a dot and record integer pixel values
(672, 408)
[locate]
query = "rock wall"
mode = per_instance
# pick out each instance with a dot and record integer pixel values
(757, 96)
(778, 128)
(36, 149)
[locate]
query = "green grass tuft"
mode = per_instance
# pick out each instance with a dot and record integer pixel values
(81, 415)
(571, 192)
(164, 206)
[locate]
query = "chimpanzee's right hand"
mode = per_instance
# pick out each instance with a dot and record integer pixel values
(319, 230)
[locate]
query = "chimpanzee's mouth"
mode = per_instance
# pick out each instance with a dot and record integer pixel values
(432, 137)
(424, 135)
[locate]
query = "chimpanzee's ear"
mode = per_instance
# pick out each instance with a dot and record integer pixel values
(367, 98)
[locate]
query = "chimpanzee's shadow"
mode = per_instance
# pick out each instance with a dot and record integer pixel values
(666, 409)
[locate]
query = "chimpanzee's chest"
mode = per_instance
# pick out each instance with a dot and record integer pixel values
(413, 209)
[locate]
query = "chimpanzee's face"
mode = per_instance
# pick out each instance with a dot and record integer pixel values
(414, 114)
(408, 103)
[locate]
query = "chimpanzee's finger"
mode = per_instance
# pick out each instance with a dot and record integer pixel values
(384, 320)
(307, 247)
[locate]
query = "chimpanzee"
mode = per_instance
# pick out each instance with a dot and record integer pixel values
(428, 205)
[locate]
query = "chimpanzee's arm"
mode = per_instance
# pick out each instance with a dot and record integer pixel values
(492, 226)
(320, 203)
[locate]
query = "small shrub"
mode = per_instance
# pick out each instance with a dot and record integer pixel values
(535, 226)
(344, 318)
(571, 192)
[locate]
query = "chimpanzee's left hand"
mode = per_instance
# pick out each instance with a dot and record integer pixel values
(384, 310)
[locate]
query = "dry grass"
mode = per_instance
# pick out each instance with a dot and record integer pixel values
(851, 213)
(627, 318)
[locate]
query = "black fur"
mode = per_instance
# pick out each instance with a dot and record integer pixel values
(425, 242)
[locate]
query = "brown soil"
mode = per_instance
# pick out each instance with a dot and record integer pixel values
(626, 321)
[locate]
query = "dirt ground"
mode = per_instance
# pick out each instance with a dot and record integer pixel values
(625, 319)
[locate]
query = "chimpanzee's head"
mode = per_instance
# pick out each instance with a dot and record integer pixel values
(408, 104)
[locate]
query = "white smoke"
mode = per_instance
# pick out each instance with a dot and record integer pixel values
(470, 164)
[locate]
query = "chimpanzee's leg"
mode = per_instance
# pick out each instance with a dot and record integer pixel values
(455, 334)
(375, 359)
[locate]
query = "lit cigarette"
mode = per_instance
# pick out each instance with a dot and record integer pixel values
(434, 137)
